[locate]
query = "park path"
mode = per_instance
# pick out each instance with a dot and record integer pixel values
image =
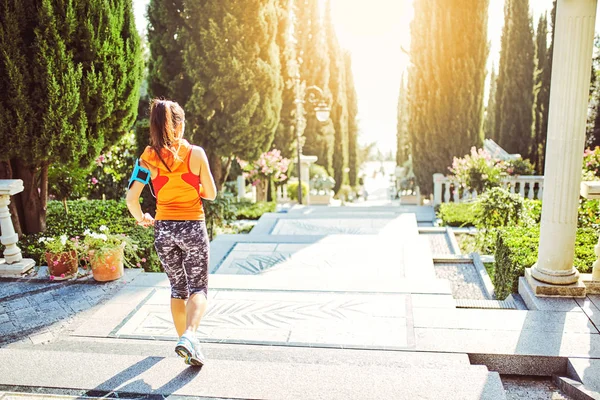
(315, 303)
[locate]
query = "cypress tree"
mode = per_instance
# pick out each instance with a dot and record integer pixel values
(515, 104)
(402, 137)
(285, 136)
(70, 75)
(490, 113)
(352, 101)
(314, 71)
(542, 95)
(232, 55)
(167, 77)
(446, 83)
(339, 107)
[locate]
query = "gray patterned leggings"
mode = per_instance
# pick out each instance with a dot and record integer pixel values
(183, 250)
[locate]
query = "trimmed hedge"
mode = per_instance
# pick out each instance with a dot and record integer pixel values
(517, 249)
(91, 214)
(248, 210)
(458, 214)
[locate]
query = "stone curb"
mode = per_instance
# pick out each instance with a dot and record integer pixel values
(575, 389)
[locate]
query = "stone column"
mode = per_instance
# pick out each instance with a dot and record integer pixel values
(573, 47)
(305, 162)
(13, 264)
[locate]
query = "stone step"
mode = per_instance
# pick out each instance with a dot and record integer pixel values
(504, 320)
(508, 304)
(235, 377)
(365, 283)
(587, 371)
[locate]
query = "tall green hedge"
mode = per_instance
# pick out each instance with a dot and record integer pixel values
(517, 249)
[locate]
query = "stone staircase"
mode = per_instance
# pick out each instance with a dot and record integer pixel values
(317, 315)
(98, 367)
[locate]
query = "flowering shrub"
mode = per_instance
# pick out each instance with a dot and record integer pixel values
(103, 243)
(271, 165)
(591, 164)
(477, 171)
(60, 244)
(517, 167)
(322, 184)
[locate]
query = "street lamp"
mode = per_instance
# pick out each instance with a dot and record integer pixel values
(315, 97)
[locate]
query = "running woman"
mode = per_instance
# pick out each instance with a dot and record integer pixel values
(181, 178)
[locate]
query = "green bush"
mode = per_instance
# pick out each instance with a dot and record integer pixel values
(588, 215)
(532, 212)
(518, 167)
(91, 214)
(346, 193)
(517, 249)
(498, 207)
(317, 170)
(249, 210)
(292, 190)
(457, 214)
(219, 212)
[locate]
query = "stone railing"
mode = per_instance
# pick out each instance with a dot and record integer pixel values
(446, 190)
(13, 264)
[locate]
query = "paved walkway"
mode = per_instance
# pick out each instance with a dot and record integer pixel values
(316, 303)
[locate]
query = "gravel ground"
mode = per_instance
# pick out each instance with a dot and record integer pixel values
(531, 388)
(464, 279)
(439, 243)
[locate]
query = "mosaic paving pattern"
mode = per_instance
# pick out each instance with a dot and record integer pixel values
(261, 258)
(328, 226)
(314, 319)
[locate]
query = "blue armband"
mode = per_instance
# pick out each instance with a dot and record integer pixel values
(140, 174)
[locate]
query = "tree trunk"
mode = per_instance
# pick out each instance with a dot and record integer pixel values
(30, 205)
(227, 169)
(269, 189)
(216, 166)
(6, 173)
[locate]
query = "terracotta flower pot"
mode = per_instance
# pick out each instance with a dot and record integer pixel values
(62, 265)
(108, 267)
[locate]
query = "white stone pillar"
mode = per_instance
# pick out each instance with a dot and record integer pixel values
(305, 162)
(571, 65)
(13, 264)
(241, 187)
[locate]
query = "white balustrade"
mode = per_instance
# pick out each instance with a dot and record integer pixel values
(447, 190)
(13, 264)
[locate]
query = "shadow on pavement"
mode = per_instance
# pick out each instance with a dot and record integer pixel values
(123, 385)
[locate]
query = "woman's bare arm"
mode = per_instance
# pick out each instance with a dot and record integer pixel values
(209, 188)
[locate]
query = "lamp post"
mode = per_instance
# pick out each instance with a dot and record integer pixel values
(315, 97)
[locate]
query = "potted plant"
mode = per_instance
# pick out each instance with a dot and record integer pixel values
(107, 253)
(61, 256)
(321, 192)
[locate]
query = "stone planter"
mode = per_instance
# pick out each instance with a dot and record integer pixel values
(109, 266)
(321, 199)
(62, 265)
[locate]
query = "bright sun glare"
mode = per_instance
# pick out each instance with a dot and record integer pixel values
(374, 31)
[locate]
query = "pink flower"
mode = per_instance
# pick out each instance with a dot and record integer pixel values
(62, 275)
(94, 181)
(138, 265)
(55, 263)
(143, 260)
(51, 277)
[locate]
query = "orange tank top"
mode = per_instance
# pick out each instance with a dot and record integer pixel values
(178, 191)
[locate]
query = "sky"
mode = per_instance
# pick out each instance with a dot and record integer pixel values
(375, 31)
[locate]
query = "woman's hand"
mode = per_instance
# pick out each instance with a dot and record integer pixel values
(146, 221)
